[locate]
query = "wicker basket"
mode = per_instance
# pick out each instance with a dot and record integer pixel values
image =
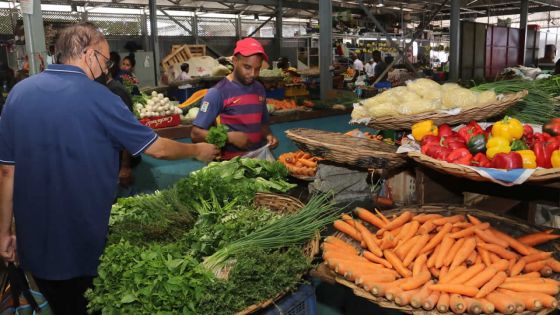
(404, 122)
(459, 170)
(510, 225)
(282, 204)
(343, 149)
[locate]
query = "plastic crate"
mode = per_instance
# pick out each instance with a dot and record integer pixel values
(279, 93)
(301, 302)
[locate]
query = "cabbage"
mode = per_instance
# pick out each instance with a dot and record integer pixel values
(192, 113)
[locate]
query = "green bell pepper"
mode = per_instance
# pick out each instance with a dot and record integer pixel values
(477, 144)
(518, 145)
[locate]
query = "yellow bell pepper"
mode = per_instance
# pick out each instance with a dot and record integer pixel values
(497, 145)
(509, 128)
(424, 128)
(529, 158)
(555, 158)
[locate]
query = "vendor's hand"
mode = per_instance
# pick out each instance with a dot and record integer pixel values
(125, 177)
(272, 141)
(206, 152)
(8, 247)
(238, 139)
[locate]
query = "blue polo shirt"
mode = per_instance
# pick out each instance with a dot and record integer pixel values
(64, 132)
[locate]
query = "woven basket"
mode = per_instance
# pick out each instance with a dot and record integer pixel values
(404, 122)
(282, 204)
(510, 225)
(459, 170)
(343, 149)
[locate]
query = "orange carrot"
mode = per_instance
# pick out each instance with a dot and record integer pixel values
(403, 298)
(490, 238)
(443, 302)
(379, 289)
(418, 300)
(415, 250)
(545, 300)
(464, 252)
(416, 281)
(535, 266)
(434, 271)
(547, 288)
(419, 264)
(530, 301)
(503, 303)
(554, 264)
(498, 250)
(432, 260)
(446, 245)
(456, 289)
(340, 243)
(374, 258)
(402, 249)
(397, 263)
(452, 274)
(468, 274)
(533, 280)
(501, 265)
(537, 238)
(368, 238)
(453, 251)
(457, 304)
(487, 307)
(399, 221)
(491, 285)
(478, 260)
(411, 231)
(480, 279)
(473, 306)
(437, 238)
(392, 292)
(513, 243)
(530, 275)
(431, 301)
(451, 220)
(485, 256)
(472, 258)
(388, 241)
(462, 225)
(470, 230)
(474, 220)
(516, 269)
(347, 229)
(494, 258)
(368, 280)
(536, 256)
(369, 217)
(510, 265)
(381, 216)
(348, 219)
(427, 227)
(424, 217)
(443, 272)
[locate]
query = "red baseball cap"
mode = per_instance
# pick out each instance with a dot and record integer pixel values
(248, 47)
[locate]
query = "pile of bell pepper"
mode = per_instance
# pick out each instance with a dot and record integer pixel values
(507, 144)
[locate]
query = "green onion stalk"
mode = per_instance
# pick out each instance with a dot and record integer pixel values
(289, 230)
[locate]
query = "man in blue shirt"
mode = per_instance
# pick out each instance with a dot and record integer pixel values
(60, 137)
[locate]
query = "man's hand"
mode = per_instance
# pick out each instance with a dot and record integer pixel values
(206, 152)
(8, 247)
(272, 141)
(238, 139)
(125, 177)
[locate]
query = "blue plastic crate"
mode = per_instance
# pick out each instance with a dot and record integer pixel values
(278, 93)
(301, 302)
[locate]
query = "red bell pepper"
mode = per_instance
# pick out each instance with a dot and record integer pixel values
(436, 151)
(471, 130)
(480, 160)
(552, 127)
(444, 130)
(430, 139)
(527, 131)
(453, 142)
(543, 151)
(460, 156)
(507, 160)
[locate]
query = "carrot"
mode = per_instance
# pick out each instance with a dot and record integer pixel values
(369, 217)
(403, 298)
(397, 222)
(411, 231)
(480, 279)
(474, 220)
(491, 285)
(388, 241)
(472, 258)
(485, 256)
(419, 264)
(423, 217)
(437, 238)
(462, 225)
(532, 280)
(444, 249)
(455, 288)
(443, 302)
(535, 266)
(487, 307)
(473, 306)
(468, 274)
(457, 304)
(403, 248)
(415, 250)
(339, 248)
(516, 269)
(340, 243)
(498, 250)
(328, 255)
(511, 263)
(376, 259)
(493, 257)
(478, 260)
(432, 260)
(530, 275)
(391, 292)
(418, 300)
(417, 281)
(537, 238)
(452, 274)
(347, 229)
(501, 265)
(368, 238)
(403, 230)
(463, 252)
(513, 243)
(427, 227)
(452, 219)
(547, 288)
(379, 289)
(470, 230)
(536, 256)
(367, 281)
(489, 238)
(554, 264)
(443, 272)
(308, 163)
(453, 251)
(434, 272)
(530, 301)
(381, 216)
(503, 303)
(397, 263)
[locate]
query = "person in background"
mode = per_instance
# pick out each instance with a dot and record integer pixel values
(380, 66)
(128, 63)
(127, 76)
(183, 92)
(549, 55)
(357, 64)
(115, 69)
(370, 68)
(239, 102)
(58, 184)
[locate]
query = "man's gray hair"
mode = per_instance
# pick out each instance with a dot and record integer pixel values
(73, 40)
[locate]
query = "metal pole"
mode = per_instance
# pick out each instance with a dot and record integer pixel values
(523, 26)
(144, 29)
(34, 37)
(238, 27)
(278, 26)
(155, 39)
(194, 27)
(454, 48)
(325, 47)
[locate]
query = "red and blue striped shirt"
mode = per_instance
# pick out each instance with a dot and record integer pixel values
(239, 107)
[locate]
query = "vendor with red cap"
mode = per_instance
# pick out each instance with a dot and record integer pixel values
(239, 102)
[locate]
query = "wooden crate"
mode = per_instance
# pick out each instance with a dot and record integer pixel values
(175, 47)
(197, 50)
(178, 56)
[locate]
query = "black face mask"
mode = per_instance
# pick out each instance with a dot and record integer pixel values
(102, 79)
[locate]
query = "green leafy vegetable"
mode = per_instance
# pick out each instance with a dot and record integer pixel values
(217, 136)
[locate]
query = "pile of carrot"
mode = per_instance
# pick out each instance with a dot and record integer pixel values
(281, 104)
(299, 163)
(448, 263)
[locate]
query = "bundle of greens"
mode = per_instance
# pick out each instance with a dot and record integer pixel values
(217, 136)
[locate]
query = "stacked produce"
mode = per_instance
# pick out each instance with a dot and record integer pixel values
(165, 249)
(155, 105)
(287, 104)
(447, 263)
(421, 96)
(507, 144)
(299, 163)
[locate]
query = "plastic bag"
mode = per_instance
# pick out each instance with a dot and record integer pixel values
(262, 153)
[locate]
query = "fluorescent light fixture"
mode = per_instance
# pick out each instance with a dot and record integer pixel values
(380, 4)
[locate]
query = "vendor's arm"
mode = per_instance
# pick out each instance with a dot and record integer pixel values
(125, 172)
(271, 140)
(7, 239)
